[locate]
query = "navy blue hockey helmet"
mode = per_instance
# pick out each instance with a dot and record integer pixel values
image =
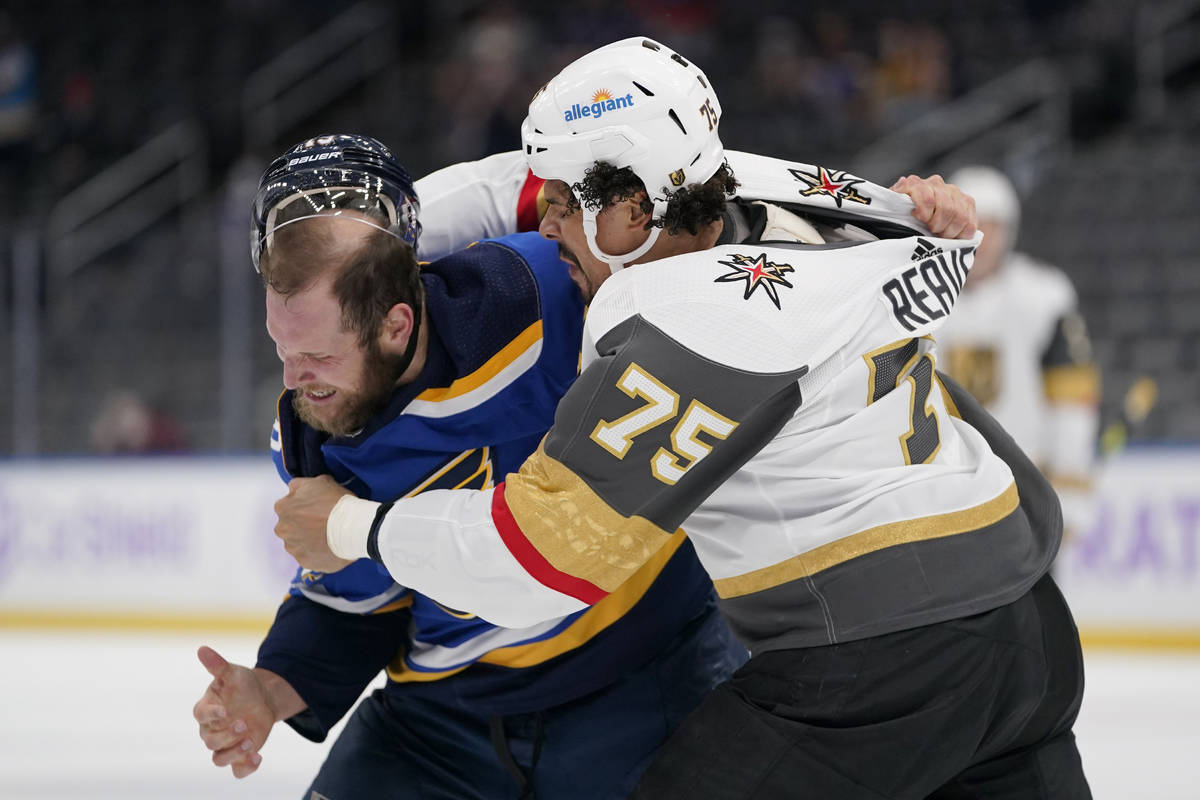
(329, 174)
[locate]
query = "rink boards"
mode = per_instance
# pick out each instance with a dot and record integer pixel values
(179, 542)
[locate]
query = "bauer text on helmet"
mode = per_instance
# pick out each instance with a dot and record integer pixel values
(330, 174)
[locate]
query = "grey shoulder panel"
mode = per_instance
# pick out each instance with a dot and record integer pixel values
(654, 428)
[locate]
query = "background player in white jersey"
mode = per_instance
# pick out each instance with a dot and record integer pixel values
(766, 380)
(1018, 343)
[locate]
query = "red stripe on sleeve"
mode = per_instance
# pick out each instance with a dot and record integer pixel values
(534, 562)
(528, 218)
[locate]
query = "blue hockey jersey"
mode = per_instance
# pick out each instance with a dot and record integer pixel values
(504, 341)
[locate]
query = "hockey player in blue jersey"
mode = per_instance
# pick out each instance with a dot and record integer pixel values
(402, 381)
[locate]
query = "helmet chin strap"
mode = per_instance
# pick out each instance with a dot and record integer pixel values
(618, 262)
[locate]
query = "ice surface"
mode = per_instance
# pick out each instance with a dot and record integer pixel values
(108, 715)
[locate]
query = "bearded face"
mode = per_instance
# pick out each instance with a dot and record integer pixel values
(346, 410)
(338, 383)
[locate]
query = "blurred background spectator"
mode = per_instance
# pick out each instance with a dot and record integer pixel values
(126, 425)
(18, 105)
(912, 74)
(138, 128)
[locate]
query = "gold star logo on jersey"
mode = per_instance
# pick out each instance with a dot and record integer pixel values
(836, 184)
(756, 271)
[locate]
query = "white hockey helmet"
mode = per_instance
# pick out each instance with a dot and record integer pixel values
(995, 196)
(633, 103)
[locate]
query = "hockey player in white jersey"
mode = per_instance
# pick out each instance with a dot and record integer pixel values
(1018, 343)
(763, 380)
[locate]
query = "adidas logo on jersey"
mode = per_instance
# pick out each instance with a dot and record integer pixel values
(925, 249)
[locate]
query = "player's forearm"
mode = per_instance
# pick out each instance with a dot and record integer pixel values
(445, 545)
(327, 657)
(281, 697)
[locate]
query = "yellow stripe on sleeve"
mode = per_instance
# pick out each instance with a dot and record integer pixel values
(1072, 383)
(509, 353)
(398, 671)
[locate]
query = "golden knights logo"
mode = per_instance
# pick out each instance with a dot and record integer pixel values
(977, 369)
(756, 271)
(835, 184)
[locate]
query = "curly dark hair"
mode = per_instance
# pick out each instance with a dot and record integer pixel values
(689, 208)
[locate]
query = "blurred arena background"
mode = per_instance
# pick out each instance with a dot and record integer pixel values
(137, 383)
(127, 160)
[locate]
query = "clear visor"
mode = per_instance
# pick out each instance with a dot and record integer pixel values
(365, 204)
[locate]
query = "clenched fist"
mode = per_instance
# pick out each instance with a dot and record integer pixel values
(303, 513)
(944, 208)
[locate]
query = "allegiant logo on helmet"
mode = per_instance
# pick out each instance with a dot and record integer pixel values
(602, 101)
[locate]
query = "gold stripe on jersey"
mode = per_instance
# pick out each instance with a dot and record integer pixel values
(1072, 383)
(1069, 481)
(869, 541)
(589, 624)
(490, 369)
(483, 468)
(454, 612)
(594, 620)
(573, 528)
(398, 671)
(951, 406)
(395, 605)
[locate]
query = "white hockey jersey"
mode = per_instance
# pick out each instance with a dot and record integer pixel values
(475, 200)
(1019, 345)
(778, 402)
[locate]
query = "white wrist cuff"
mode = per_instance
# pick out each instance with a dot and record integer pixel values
(349, 527)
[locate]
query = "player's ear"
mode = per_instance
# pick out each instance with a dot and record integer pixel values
(635, 213)
(395, 328)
